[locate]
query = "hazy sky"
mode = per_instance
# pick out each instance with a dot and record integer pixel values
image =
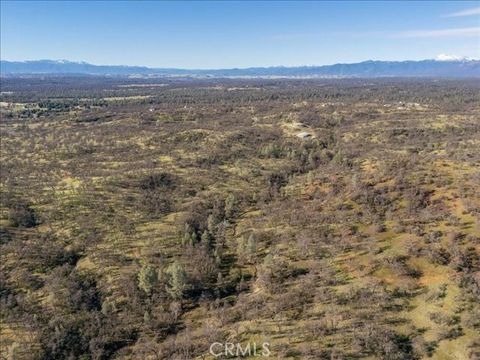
(237, 34)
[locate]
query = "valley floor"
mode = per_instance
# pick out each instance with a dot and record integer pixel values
(158, 220)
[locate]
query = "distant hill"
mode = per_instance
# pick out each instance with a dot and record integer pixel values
(424, 68)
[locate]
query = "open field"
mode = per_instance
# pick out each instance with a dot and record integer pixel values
(331, 219)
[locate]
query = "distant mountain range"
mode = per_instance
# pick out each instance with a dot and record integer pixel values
(425, 68)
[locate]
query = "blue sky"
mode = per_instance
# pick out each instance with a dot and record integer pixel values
(222, 34)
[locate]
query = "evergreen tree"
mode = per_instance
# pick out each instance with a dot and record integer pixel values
(147, 278)
(246, 248)
(177, 280)
(212, 223)
(206, 239)
(189, 237)
(230, 206)
(251, 247)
